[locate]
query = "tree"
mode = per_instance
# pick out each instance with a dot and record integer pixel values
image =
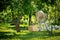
(17, 6)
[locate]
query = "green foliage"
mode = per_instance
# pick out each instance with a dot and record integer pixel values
(28, 7)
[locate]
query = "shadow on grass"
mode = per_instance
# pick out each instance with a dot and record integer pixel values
(56, 34)
(35, 35)
(41, 34)
(29, 35)
(4, 35)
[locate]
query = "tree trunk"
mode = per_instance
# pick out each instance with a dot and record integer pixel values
(18, 23)
(51, 32)
(29, 19)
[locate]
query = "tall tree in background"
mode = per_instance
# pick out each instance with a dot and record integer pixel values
(16, 9)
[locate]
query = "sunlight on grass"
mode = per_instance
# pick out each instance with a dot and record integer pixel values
(7, 30)
(11, 34)
(47, 38)
(23, 32)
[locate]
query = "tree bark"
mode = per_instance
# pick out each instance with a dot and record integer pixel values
(18, 23)
(29, 19)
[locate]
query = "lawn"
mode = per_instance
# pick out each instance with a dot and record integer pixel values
(26, 35)
(7, 33)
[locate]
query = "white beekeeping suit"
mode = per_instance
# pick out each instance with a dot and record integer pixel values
(41, 18)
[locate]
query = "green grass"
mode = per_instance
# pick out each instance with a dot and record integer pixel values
(7, 33)
(26, 35)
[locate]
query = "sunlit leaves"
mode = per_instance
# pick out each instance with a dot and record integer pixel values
(33, 19)
(50, 7)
